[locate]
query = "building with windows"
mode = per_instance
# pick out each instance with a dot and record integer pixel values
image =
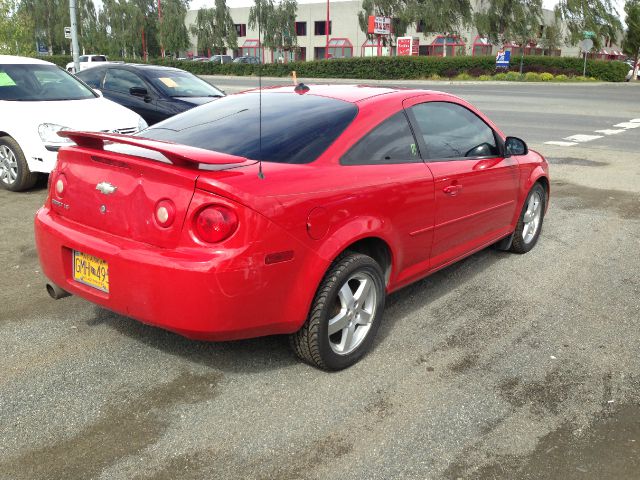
(346, 39)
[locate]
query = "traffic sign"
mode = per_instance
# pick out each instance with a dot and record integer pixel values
(589, 34)
(586, 44)
(67, 32)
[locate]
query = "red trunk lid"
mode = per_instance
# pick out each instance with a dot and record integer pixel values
(118, 193)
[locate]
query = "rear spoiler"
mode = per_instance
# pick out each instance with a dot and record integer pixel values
(181, 155)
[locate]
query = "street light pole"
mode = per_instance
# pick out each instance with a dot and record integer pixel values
(74, 35)
(160, 20)
(326, 31)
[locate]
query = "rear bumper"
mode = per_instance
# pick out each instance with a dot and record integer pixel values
(198, 293)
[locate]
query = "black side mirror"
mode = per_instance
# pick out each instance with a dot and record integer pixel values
(515, 146)
(138, 91)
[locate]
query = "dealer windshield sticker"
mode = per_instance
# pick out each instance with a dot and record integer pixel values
(6, 80)
(169, 82)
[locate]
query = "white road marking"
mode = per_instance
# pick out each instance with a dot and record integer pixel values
(611, 132)
(582, 138)
(628, 125)
(561, 144)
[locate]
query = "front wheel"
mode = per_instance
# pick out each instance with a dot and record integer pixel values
(530, 222)
(345, 314)
(14, 170)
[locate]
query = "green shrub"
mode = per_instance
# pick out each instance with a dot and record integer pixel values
(562, 78)
(484, 78)
(546, 77)
(500, 76)
(389, 68)
(532, 77)
(580, 78)
(435, 76)
(512, 76)
(464, 76)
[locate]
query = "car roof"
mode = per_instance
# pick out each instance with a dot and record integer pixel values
(353, 93)
(14, 60)
(141, 66)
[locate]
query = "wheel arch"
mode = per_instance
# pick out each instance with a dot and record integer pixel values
(376, 248)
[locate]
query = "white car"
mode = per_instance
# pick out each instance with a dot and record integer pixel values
(87, 61)
(37, 100)
(630, 73)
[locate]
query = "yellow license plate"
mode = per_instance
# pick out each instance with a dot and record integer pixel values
(90, 270)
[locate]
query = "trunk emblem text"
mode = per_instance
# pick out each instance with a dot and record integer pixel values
(106, 188)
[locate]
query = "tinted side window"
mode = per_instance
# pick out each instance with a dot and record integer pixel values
(119, 80)
(390, 142)
(92, 77)
(451, 131)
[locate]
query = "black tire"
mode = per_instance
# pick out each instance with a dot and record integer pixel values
(312, 342)
(522, 240)
(16, 177)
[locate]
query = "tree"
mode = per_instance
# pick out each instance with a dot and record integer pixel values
(397, 10)
(551, 37)
(203, 29)
(597, 16)
(173, 33)
(277, 23)
(514, 20)
(48, 19)
(16, 29)
(440, 16)
(214, 28)
(631, 42)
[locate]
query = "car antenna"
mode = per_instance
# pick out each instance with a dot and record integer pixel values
(260, 173)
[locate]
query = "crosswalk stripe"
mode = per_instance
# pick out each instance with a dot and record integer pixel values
(561, 144)
(611, 132)
(582, 138)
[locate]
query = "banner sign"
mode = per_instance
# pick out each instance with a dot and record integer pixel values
(407, 46)
(379, 25)
(502, 58)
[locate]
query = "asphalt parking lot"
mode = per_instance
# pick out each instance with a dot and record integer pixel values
(502, 366)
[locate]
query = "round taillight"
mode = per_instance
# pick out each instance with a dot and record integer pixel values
(61, 185)
(165, 213)
(215, 223)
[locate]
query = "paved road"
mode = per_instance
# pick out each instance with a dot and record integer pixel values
(538, 112)
(500, 367)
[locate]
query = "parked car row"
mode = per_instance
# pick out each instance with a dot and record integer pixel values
(87, 61)
(223, 59)
(38, 100)
(152, 91)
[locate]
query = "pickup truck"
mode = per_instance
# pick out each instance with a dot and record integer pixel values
(87, 61)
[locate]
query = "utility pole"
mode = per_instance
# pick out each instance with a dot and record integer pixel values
(326, 32)
(74, 35)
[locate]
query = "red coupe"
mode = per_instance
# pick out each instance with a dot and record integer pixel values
(291, 211)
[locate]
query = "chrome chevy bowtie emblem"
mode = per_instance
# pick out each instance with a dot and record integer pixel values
(106, 188)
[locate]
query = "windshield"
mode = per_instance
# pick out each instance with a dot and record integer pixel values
(176, 83)
(40, 83)
(294, 128)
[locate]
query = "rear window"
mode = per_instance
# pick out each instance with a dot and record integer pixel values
(294, 128)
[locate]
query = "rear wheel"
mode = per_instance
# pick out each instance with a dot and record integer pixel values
(530, 222)
(345, 314)
(14, 171)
